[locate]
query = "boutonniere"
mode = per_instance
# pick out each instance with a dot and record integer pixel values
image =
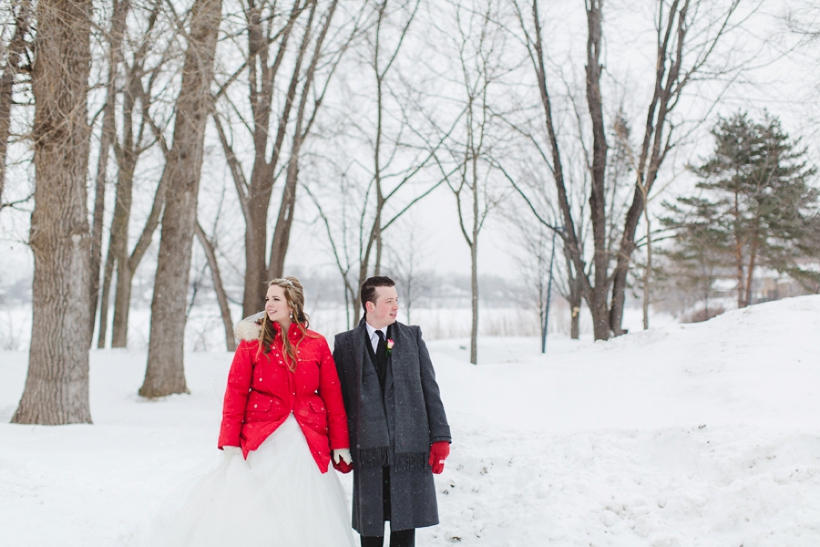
(390, 344)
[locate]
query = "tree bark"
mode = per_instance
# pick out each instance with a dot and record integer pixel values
(127, 156)
(165, 373)
(56, 389)
(648, 270)
(474, 269)
(597, 199)
(105, 294)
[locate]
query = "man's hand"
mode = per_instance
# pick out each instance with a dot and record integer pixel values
(342, 462)
(438, 453)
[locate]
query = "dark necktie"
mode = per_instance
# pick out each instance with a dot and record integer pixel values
(381, 357)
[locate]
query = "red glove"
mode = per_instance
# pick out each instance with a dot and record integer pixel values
(438, 453)
(342, 466)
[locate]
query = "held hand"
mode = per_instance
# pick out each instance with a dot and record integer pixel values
(438, 453)
(342, 462)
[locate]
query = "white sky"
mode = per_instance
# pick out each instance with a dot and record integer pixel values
(786, 87)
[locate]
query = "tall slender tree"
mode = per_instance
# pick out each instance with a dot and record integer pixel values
(114, 39)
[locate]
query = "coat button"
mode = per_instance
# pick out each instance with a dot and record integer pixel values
(260, 379)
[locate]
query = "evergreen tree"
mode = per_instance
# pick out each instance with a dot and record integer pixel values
(756, 207)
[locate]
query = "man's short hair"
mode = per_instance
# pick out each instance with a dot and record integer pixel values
(369, 288)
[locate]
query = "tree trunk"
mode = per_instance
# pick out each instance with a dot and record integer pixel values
(119, 230)
(219, 288)
(256, 229)
(56, 389)
(106, 140)
(284, 221)
(474, 297)
(16, 51)
(597, 198)
(261, 93)
(575, 298)
(575, 319)
(752, 262)
(165, 373)
(572, 242)
(648, 271)
(105, 303)
(738, 252)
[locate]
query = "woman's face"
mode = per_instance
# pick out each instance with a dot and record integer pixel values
(276, 306)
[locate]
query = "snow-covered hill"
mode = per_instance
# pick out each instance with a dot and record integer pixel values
(704, 434)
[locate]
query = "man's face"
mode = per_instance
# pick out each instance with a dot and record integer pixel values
(384, 311)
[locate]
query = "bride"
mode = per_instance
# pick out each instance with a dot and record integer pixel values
(283, 420)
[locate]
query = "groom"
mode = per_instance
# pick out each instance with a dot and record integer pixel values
(399, 434)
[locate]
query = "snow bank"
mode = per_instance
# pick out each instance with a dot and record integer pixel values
(701, 434)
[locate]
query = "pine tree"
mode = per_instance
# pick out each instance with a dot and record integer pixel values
(755, 207)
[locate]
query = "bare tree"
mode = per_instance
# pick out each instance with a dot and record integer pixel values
(307, 70)
(56, 390)
(374, 193)
(108, 133)
(406, 257)
(681, 54)
(15, 61)
(139, 132)
(165, 371)
(480, 49)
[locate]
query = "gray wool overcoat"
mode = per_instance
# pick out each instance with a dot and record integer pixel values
(409, 377)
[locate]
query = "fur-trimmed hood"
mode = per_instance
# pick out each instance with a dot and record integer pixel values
(248, 329)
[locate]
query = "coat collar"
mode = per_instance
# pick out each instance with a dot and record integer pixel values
(361, 337)
(294, 332)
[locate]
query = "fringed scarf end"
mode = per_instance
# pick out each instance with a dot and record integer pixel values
(373, 457)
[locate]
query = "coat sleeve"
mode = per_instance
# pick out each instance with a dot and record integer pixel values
(330, 391)
(437, 419)
(236, 396)
(338, 358)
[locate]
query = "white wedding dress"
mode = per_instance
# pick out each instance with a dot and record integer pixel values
(277, 498)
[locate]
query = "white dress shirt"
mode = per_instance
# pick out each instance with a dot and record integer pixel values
(374, 338)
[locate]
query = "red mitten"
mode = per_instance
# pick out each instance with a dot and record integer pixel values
(342, 462)
(438, 453)
(342, 466)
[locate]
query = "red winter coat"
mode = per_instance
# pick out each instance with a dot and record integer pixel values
(262, 392)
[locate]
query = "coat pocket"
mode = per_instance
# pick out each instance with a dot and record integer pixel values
(315, 414)
(258, 406)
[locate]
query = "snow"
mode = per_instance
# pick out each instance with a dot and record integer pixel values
(684, 435)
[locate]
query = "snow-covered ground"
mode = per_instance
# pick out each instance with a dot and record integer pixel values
(685, 435)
